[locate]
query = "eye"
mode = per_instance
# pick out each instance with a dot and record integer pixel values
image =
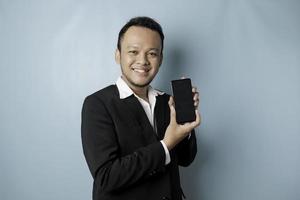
(153, 54)
(132, 52)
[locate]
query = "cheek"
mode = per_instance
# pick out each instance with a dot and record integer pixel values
(127, 60)
(156, 64)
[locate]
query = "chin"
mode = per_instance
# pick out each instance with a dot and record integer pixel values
(141, 83)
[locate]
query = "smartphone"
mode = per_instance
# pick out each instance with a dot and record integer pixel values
(184, 103)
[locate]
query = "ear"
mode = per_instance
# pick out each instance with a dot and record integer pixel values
(161, 59)
(118, 56)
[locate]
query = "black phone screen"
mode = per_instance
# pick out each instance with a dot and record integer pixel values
(184, 103)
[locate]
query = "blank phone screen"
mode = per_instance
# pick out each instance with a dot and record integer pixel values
(184, 103)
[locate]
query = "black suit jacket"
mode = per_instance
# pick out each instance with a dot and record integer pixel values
(124, 153)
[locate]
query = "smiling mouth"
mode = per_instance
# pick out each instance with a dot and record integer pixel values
(141, 70)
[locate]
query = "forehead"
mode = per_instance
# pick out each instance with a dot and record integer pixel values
(142, 37)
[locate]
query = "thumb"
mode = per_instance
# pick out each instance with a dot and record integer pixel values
(172, 111)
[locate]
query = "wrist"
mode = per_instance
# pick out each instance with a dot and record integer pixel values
(170, 144)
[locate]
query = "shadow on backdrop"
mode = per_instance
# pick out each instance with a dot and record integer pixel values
(179, 61)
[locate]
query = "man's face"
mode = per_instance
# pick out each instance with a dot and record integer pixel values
(140, 56)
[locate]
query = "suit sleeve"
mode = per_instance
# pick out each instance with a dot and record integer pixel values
(112, 172)
(186, 150)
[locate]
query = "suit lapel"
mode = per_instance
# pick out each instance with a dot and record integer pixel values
(160, 116)
(137, 111)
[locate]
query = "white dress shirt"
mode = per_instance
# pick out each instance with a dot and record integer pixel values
(125, 91)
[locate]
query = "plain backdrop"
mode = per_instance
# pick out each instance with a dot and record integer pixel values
(243, 55)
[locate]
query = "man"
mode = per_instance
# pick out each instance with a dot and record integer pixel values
(131, 140)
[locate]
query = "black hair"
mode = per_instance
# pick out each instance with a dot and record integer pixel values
(146, 22)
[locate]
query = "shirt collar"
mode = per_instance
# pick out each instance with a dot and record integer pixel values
(125, 91)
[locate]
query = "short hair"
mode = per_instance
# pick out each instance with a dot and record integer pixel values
(145, 22)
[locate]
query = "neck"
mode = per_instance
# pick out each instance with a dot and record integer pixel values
(141, 92)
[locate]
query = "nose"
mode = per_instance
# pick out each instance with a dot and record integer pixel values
(142, 59)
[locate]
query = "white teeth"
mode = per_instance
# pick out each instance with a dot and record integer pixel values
(140, 70)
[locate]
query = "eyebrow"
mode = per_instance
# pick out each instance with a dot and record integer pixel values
(135, 46)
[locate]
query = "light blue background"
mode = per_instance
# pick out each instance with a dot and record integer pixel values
(244, 56)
